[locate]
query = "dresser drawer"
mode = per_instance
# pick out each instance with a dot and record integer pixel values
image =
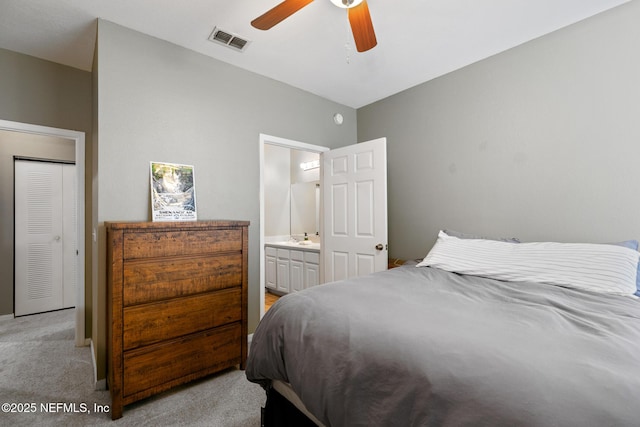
(160, 279)
(200, 353)
(150, 323)
(172, 243)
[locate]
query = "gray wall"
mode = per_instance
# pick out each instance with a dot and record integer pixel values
(540, 142)
(38, 92)
(160, 102)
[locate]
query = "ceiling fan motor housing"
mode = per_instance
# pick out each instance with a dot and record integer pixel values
(346, 3)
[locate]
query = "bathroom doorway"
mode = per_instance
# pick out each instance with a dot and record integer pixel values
(266, 142)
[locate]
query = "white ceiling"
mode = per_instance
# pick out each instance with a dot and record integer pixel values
(313, 49)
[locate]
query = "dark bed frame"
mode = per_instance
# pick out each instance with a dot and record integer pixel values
(279, 412)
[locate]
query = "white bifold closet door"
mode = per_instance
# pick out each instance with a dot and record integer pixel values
(45, 236)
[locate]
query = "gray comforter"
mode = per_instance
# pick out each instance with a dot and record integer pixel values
(424, 347)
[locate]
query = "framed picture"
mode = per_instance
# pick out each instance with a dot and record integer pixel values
(173, 192)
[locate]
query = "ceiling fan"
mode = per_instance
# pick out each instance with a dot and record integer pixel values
(358, 11)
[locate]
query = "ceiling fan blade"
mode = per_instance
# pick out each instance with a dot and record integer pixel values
(279, 13)
(362, 27)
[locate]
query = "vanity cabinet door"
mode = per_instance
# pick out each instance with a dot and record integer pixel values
(296, 278)
(283, 271)
(311, 269)
(271, 268)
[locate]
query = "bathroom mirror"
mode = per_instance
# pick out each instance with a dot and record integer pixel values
(305, 209)
(291, 192)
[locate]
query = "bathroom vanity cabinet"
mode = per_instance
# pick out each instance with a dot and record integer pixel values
(290, 270)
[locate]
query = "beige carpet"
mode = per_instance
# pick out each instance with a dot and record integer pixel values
(41, 368)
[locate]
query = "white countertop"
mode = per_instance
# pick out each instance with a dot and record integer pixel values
(305, 245)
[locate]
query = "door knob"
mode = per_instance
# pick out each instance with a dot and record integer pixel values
(379, 247)
(57, 238)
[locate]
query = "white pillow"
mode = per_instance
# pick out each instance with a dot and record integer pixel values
(595, 267)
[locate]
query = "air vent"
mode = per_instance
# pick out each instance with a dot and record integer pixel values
(228, 39)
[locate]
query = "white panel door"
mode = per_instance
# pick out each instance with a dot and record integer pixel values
(44, 237)
(354, 238)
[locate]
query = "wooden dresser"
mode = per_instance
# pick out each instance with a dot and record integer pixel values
(176, 304)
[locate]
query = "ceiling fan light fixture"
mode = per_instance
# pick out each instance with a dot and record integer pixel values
(346, 4)
(357, 12)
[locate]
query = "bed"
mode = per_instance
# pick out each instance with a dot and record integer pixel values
(446, 343)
